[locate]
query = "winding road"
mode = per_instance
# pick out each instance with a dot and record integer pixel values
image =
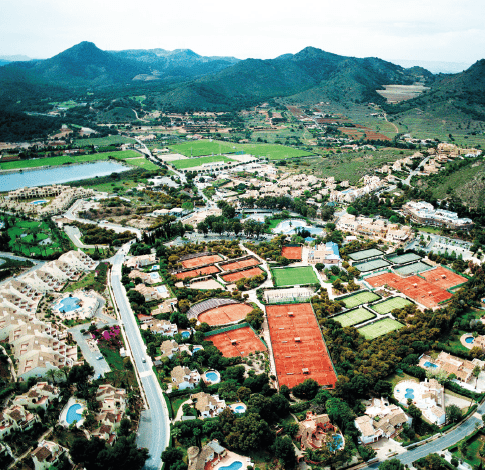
(154, 430)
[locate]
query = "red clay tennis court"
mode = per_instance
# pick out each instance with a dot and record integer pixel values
(443, 278)
(245, 263)
(291, 252)
(200, 261)
(198, 272)
(239, 342)
(298, 347)
(225, 314)
(414, 287)
(233, 277)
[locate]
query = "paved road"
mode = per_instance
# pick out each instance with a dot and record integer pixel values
(37, 263)
(154, 431)
(74, 234)
(416, 171)
(441, 443)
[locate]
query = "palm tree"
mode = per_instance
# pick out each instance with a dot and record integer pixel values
(51, 374)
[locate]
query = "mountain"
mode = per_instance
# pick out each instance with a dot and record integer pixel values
(435, 66)
(83, 65)
(309, 75)
(183, 63)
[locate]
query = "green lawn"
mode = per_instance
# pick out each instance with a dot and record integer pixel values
(359, 299)
(390, 304)
(103, 141)
(64, 159)
(473, 446)
(205, 147)
(193, 162)
(294, 276)
(141, 162)
(380, 328)
(354, 317)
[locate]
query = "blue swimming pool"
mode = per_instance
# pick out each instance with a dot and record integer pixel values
(430, 364)
(291, 226)
(409, 393)
(155, 267)
(155, 276)
(197, 349)
(185, 334)
(234, 466)
(469, 339)
(240, 409)
(73, 413)
(68, 304)
(337, 443)
(36, 203)
(161, 289)
(212, 376)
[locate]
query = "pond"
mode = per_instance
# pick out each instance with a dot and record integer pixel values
(58, 175)
(291, 226)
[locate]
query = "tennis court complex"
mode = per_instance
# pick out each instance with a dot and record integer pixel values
(359, 299)
(390, 304)
(248, 273)
(405, 258)
(379, 328)
(294, 276)
(354, 317)
(291, 252)
(364, 254)
(200, 261)
(225, 314)
(412, 268)
(372, 265)
(238, 264)
(237, 342)
(298, 347)
(443, 278)
(198, 272)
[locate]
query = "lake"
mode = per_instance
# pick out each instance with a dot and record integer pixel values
(61, 174)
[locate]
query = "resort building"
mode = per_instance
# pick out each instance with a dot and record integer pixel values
(312, 432)
(47, 454)
(461, 368)
(184, 378)
(16, 418)
(147, 278)
(326, 254)
(140, 261)
(381, 419)
(41, 394)
(210, 455)
(209, 406)
(376, 229)
(424, 213)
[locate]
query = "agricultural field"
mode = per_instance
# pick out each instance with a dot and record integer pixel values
(379, 328)
(294, 276)
(390, 304)
(65, 159)
(354, 317)
(194, 162)
(359, 299)
(103, 141)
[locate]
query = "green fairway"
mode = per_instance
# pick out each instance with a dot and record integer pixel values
(193, 162)
(294, 276)
(359, 299)
(65, 159)
(390, 304)
(206, 147)
(380, 328)
(353, 317)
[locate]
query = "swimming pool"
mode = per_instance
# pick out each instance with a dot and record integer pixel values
(469, 339)
(156, 267)
(68, 304)
(161, 289)
(337, 443)
(198, 348)
(155, 276)
(240, 409)
(290, 227)
(185, 334)
(409, 393)
(212, 376)
(430, 364)
(36, 203)
(73, 413)
(236, 465)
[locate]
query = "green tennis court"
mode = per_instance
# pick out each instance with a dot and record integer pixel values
(364, 254)
(359, 299)
(372, 265)
(412, 268)
(406, 258)
(380, 328)
(294, 276)
(390, 304)
(353, 317)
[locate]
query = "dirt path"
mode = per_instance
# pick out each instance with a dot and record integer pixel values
(391, 123)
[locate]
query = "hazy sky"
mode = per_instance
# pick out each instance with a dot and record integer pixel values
(443, 30)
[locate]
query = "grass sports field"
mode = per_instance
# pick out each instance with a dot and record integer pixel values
(193, 162)
(379, 328)
(141, 162)
(294, 276)
(205, 147)
(406, 258)
(359, 299)
(361, 255)
(63, 159)
(371, 265)
(390, 304)
(353, 317)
